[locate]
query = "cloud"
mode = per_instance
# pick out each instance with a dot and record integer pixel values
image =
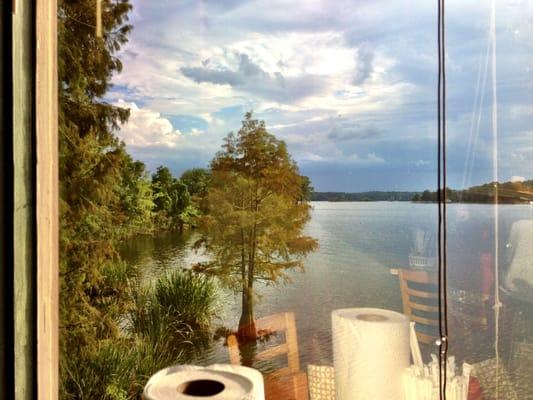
(346, 84)
(342, 133)
(153, 139)
(371, 158)
(225, 76)
(248, 68)
(146, 128)
(311, 157)
(374, 158)
(249, 77)
(516, 178)
(364, 64)
(524, 154)
(421, 163)
(218, 77)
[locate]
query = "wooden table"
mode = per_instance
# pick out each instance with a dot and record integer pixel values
(286, 387)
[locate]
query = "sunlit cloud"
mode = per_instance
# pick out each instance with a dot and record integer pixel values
(146, 128)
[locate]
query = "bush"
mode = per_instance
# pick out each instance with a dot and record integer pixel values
(177, 309)
(101, 373)
(168, 323)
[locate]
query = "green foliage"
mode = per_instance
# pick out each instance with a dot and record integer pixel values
(106, 196)
(197, 181)
(508, 192)
(190, 215)
(428, 196)
(98, 179)
(178, 302)
(257, 212)
(162, 184)
(86, 64)
(416, 197)
(307, 189)
(103, 374)
(115, 370)
(137, 198)
(172, 200)
(363, 196)
(168, 323)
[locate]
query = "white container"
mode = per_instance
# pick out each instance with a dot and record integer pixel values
(216, 382)
(370, 352)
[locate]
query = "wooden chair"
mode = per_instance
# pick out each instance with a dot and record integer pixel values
(420, 302)
(289, 382)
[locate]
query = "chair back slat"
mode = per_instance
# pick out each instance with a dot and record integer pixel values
(233, 349)
(418, 276)
(424, 321)
(419, 297)
(275, 322)
(422, 294)
(272, 352)
(424, 307)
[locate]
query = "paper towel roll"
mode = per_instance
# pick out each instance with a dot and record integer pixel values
(254, 375)
(370, 353)
(216, 382)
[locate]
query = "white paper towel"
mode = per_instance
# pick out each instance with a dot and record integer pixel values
(254, 375)
(216, 382)
(370, 353)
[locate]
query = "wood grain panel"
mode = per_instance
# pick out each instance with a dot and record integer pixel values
(47, 200)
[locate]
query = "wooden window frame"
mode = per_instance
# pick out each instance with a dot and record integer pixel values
(47, 199)
(30, 262)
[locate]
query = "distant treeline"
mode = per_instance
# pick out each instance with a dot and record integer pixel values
(363, 196)
(508, 192)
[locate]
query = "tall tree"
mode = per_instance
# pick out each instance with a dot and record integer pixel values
(307, 189)
(197, 182)
(257, 212)
(172, 199)
(162, 184)
(101, 188)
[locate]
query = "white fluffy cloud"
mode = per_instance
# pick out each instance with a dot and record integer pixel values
(516, 178)
(152, 138)
(147, 128)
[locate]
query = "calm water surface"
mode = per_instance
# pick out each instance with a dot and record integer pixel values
(359, 244)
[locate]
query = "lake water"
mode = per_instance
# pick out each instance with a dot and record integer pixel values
(359, 244)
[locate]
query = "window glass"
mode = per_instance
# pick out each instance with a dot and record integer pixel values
(234, 173)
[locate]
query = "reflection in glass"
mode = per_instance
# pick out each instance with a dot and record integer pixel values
(332, 105)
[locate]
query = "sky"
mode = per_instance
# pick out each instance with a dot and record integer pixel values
(350, 86)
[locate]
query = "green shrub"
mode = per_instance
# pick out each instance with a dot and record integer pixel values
(105, 372)
(167, 323)
(178, 310)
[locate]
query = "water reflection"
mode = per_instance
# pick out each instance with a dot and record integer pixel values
(359, 244)
(154, 255)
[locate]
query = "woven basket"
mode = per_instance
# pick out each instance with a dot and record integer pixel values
(321, 379)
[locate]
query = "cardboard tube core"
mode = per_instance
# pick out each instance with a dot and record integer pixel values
(372, 317)
(201, 387)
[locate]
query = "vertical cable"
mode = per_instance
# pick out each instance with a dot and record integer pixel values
(441, 191)
(444, 185)
(439, 236)
(497, 304)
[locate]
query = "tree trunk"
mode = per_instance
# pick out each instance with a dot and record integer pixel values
(247, 329)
